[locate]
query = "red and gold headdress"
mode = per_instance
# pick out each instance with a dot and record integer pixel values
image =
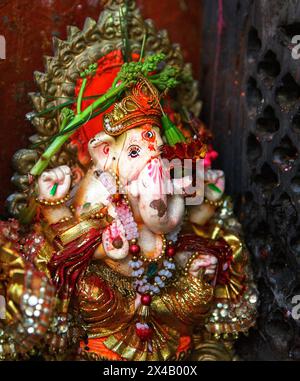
(140, 106)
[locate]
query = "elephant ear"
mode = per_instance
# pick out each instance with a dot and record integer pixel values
(102, 150)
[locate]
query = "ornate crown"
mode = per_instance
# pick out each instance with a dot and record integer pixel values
(139, 106)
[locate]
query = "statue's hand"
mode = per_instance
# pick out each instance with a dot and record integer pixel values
(60, 176)
(206, 262)
(114, 241)
(217, 179)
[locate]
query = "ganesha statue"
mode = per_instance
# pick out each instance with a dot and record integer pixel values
(116, 254)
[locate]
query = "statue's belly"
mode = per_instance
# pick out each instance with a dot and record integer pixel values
(106, 305)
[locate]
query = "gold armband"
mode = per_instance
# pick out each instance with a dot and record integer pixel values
(77, 231)
(53, 203)
(215, 204)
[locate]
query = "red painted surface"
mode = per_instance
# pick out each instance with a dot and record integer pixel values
(28, 27)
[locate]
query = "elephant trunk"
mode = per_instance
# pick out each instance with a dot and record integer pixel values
(160, 209)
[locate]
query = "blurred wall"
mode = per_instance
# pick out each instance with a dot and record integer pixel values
(28, 27)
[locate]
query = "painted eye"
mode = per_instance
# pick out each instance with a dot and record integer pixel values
(134, 151)
(149, 135)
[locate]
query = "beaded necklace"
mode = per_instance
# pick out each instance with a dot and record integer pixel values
(150, 280)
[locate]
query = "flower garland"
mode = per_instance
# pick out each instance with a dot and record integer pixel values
(151, 281)
(150, 275)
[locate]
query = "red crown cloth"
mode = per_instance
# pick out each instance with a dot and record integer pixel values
(108, 68)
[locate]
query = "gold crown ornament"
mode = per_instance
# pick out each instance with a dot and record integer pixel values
(140, 106)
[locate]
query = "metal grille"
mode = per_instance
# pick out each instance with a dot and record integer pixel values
(257, 118)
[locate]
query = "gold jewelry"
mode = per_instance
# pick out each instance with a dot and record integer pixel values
(189, 262)
(115, 280)
(65, 219)
(77, 231)
(216, 204)
(98, 212)
(141, 106)
(53, 203)
(163, 251)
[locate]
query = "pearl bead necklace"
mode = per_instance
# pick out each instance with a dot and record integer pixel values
(148, 283)
(153, 281)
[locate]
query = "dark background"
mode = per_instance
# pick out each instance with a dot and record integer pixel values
(250, 85)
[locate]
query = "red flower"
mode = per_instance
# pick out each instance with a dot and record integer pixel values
(190, 150)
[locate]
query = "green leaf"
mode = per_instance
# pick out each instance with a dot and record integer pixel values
(54, 189)
(171, 132)
(214, 188)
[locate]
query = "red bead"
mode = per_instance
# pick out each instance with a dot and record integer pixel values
(117, 197)
(144, 332)
(134, 249)
(146, 299)
(170, 252)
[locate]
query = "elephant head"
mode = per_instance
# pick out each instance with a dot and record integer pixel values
(135, 157)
